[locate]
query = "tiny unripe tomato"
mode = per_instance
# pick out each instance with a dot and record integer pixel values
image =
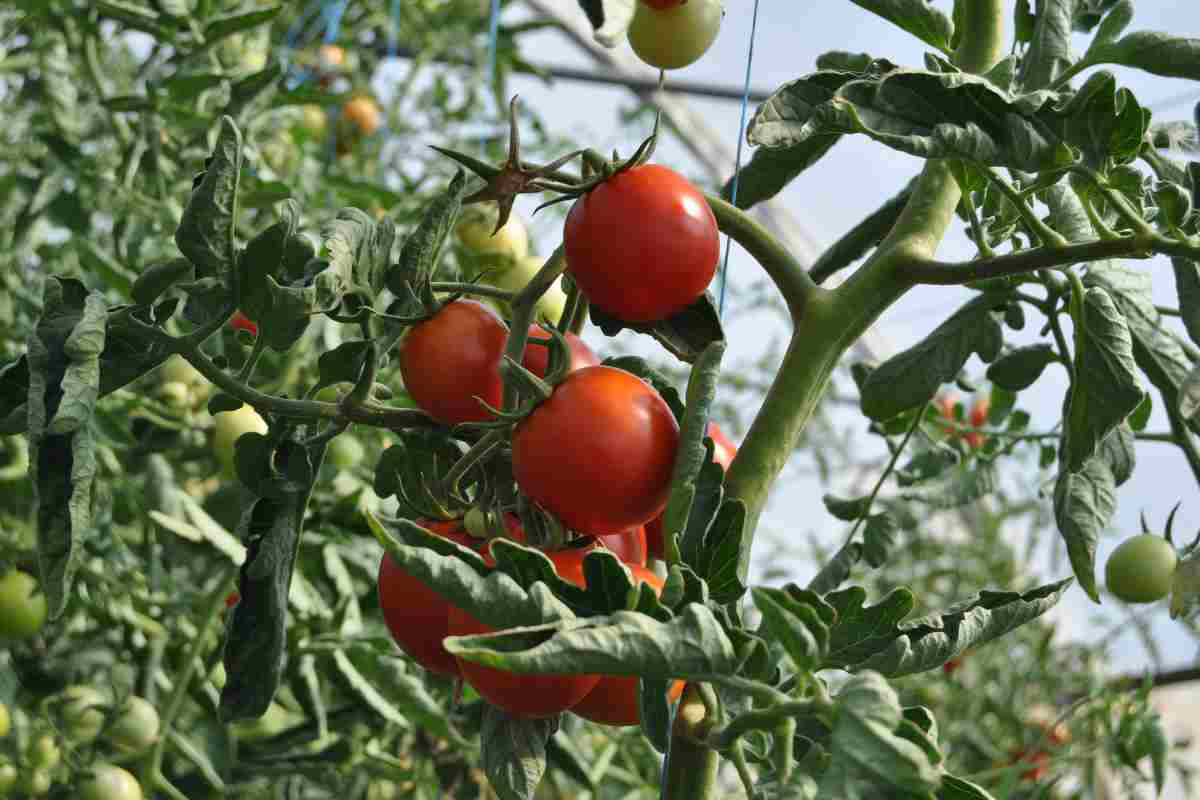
(313, 121)
(724, 451)
(176, 394)
(674, 35)
(22, 607)
(452, 360)
(8, 778)
(5, 721)
(614, 701)
(475, 228)
(82, 709)
(1141, 569)
(109, 782)
(630, 546)
(531, 696)
(136, 726)
(228, 427)
(177, 369)
(44, 753)
(38, 782)
(240, 322)
(415, 614)
(643, 244)
(599, 453)
(344, 452)
(517, 276)
(537, 357)
(362, 115)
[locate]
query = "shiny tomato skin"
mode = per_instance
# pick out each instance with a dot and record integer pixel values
(724, 449)
(531, 696)
(1141, 569)
(415, 614)
(536, 357)
(669, 35)
(631, 546)
(642, 245)
(614, 701)
(599, 452)
(453, 357)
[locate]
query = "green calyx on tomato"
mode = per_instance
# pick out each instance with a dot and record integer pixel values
(109, 782)
(669, 34)
(228, 427)
(22, 607)
(451, 361)
(642, 245)
(614, 700)
(1141, 569)
(598, 454)
(530, 696)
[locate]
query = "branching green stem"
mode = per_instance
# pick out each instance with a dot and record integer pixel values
(523, 305)
(478, 289)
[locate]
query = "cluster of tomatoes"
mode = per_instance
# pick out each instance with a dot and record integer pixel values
(598, 453)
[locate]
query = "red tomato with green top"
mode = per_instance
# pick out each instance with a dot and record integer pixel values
(643, 244)
(598, 454)
(532, 696)
(451, 361)
(537, 357)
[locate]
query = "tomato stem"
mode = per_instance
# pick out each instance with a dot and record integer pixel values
(690, 771)
(523, 306)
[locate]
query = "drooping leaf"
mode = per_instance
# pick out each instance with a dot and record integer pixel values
(685, 334)
(1049, 54)
(1105, 389)
(1187, 286)
(423, 247)
(795, 625)
(911, 378)
(360, 248)
(222, 27)
(771, 169)
(1084, 503)
(514, 752)
(835, 571)
(1017, 369)
(205, 235)
(1152, 51)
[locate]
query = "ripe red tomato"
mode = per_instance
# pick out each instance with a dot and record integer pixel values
(723, 452)
(362, 114)
(232, 598)
(978, 418)
(630, 546)
(643, 244)
(537, 357)
(526, 695)
(614, 701)
(1037, 758)
(951, 666)
(452, 358)
(599, 452)
(416, 615)
(240, 322)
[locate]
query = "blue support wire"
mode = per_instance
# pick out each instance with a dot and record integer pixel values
(493, 41)
(737, 167)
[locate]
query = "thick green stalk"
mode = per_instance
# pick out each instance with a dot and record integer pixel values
(831, 321)
(692, 767)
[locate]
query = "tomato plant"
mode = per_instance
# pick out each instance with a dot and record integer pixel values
(643, 244)
(616, 474)
(614, 701)
(525, 695)
(629, 546)
(672, 35)
(82, 709)
(516, 277)
(451, 361)
(1141, 569)
(109, 782)
(22, 607)
(537, 357)
(345, 452)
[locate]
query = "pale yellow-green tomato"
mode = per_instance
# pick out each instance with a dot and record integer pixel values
(671, 38)
(176, 394)
(313, 121)
(218, 675)
(22, 607)
(82, 709)
(228, 426)
(475, 227)
(246, 52)
(109, 782)
(8, 778)
(382, 790)
(37, 782)
(549, 306)
(177, 370)
(136, 727)
(5, 721)
(44, 753)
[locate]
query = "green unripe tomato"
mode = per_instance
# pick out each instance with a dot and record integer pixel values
(176, 394)
(38, 783)
(550, 305)
(22, 607)
(313, 121)
(475, 232)
(44, 753)
(344, 452)
(176, 368)
(274, 721)
(5, 721)
(109, 782)
(136, 727)
(82, 709)
(675, 36)
(8, 778)
(228, 427)
(1141, 569)
(382, 790)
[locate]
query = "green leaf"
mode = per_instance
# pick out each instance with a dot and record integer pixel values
(691, 454)
(366, 691)
(63, 385)
(262, 259)
(770, 170)
(692, 645)
(222, 27)
(1152, 51)
(796, 626)
(186, 88)
(844, 509)
(918, 17)
(1084, 502)
(876, 638)
(778, 122)
(1018, 369)
(913, 377)
(685, 334)
(411, 470)
(961, 789)
(835, 571)
(1049, 53)
(1187, 286)
(158, 278)
(423, 248)
(1106, 388)
(879, 535)
(514, 752)
(360, 248)
(1113, 24)
(565, 755)
(206, 231)
(1104, 121)
(867, 759)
